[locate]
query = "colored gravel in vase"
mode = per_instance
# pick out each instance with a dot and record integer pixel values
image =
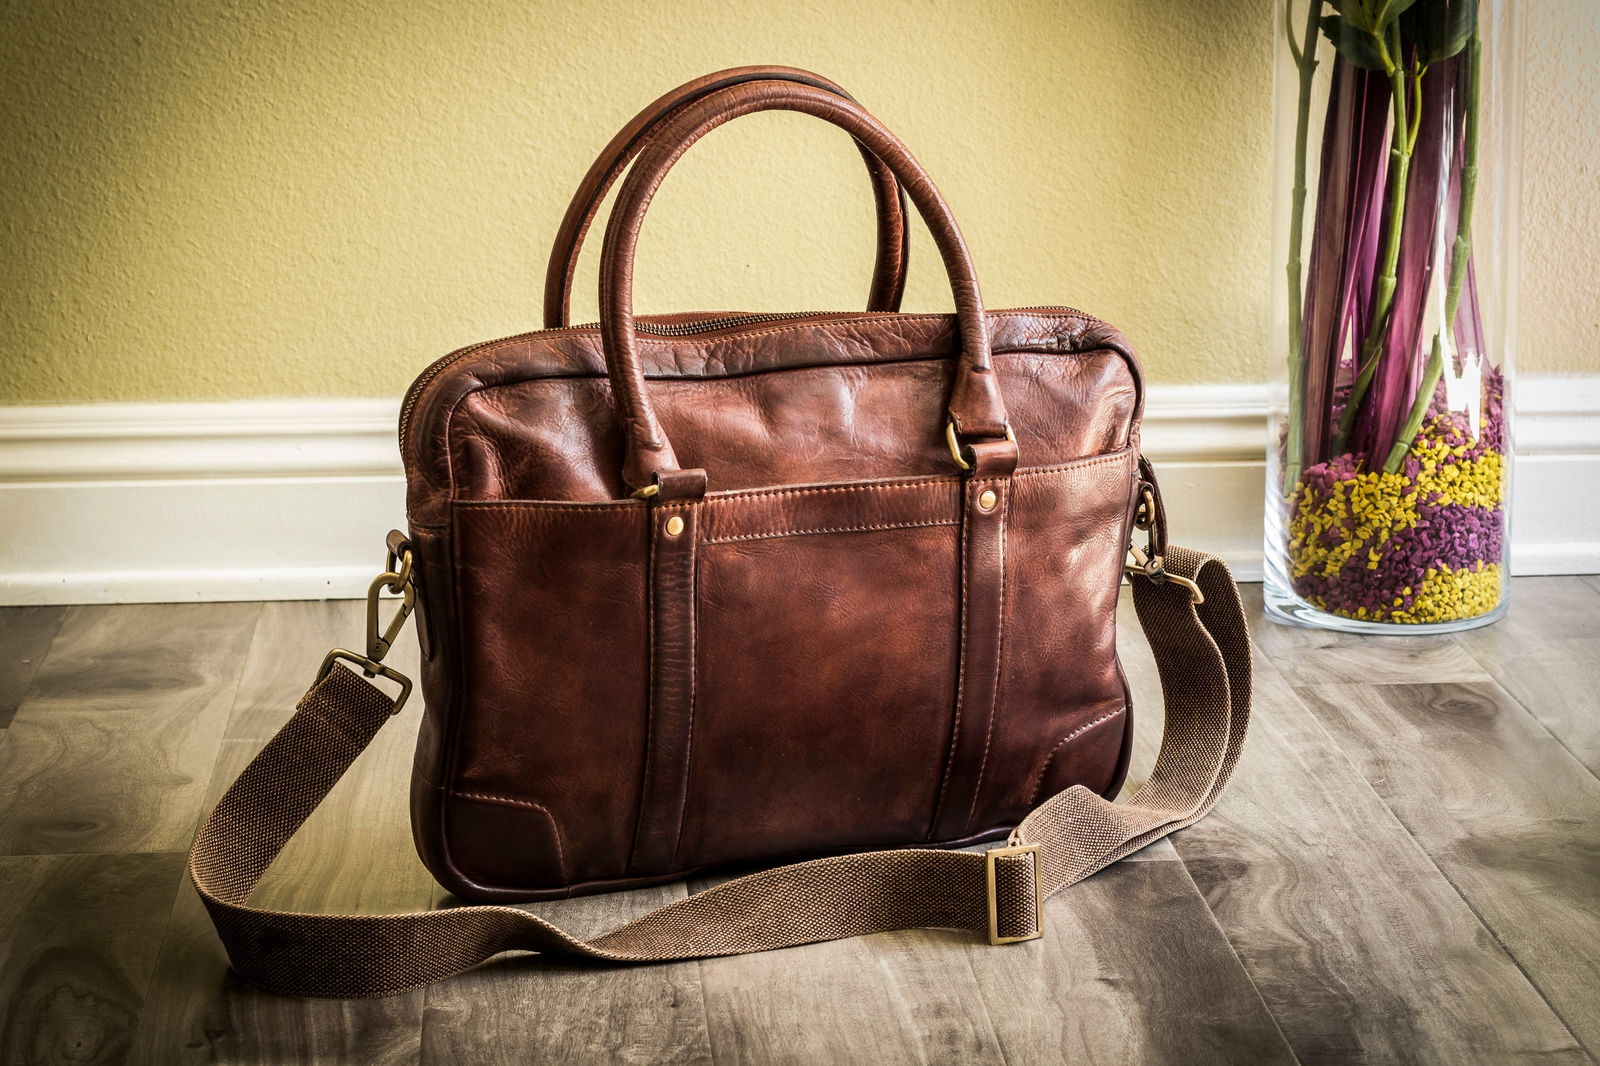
(1423, 544)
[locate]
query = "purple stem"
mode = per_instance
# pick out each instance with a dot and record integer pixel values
(1344, 246)
(1402, 356)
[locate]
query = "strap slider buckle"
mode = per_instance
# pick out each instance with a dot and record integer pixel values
(371, 668)
(396, 578)
(991, 869)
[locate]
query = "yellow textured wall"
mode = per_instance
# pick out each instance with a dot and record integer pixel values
(209, 200)
(1560, 315)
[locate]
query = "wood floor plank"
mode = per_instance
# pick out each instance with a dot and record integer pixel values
(1315, 656)
(899, 997)
(1132, 968)
(290, 641)
(1560, 686)
(1361, 949)
(1504, 810)
(533, 1009)
(25, 635)
(1546, 653)
(354, 854)
(1542, 609)
(1401, 871)
(112, 748)
(80, 934)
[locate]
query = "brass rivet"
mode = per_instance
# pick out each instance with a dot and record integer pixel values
(674, 526)
(986, 499)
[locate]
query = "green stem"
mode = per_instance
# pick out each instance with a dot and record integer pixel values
(1400, 151)
(1459, 256)
(1305, 58)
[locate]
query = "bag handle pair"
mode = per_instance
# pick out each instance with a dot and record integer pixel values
(975, 410)
(894, 238)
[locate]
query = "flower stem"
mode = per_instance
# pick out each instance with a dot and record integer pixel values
(1400, 150)
(1305, 57)
(1459, 255)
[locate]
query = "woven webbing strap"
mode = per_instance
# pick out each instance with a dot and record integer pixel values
(1202, 652)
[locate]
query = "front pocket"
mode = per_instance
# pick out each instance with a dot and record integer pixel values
(827, 665)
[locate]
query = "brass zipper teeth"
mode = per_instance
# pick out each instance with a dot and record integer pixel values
(666, 329)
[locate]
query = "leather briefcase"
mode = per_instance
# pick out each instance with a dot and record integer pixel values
(725, 589)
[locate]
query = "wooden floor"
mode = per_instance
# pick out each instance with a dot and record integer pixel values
(1407, 868)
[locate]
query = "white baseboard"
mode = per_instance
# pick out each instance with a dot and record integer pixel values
(289, 499)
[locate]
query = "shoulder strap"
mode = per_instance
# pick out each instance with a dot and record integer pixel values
(1190, 611)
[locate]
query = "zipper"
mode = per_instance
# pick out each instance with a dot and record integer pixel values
(652, 329)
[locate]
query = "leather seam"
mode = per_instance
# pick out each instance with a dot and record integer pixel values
(456, 707)
(1038, 779)
(628, 506)
(856, 487)
(790, 327)
(999, 653)
(621, 507)
(830, 529)
(508, 801)
(961, 672)
(650, 698)
(451, 406)
(1076, 464)
(692, 534)
(618, 506)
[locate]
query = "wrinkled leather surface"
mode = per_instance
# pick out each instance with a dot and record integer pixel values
(811, 610)
(974, 404)
(814, 632)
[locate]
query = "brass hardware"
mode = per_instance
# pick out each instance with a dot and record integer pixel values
(954, 442)
(986, 499)
(396, 577)
(1151, 566)
(990, 860)
(1145, 516)
(674, 526)
(371, 668)
(646, 492)
(398, 581)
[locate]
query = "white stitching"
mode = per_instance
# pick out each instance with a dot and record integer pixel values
(1038, 781)
(829, 529)
(961, 672)
(999, 649)
(693, 541)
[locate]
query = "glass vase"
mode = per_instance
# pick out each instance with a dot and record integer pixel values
(1396, 187)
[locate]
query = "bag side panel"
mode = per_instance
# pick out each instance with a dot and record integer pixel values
(543, 786)
(1062, 706)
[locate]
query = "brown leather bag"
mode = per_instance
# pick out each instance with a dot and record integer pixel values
(700, 590)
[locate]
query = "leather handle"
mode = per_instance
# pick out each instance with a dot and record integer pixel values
(894, 237)
(975, 406)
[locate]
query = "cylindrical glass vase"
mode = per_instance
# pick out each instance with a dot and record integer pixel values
(1396, 187)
